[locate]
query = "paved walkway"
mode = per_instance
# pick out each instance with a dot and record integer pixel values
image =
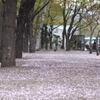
(49, 75)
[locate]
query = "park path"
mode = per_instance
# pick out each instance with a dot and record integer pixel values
(49, 75)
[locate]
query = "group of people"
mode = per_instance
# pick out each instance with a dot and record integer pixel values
(79, 45)
(93, 46)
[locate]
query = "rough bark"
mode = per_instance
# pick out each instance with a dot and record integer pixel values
(38, 41)
(25, 44)
(97, 51)
(8, 34)
(26, 39)
(97, 46)
(67, 43)
(19, 40)
(1, 18)
(32, 44)
(20, 29)
(23, 17)
(19, 32)
(64, 24)
(90, 44)
(32, 38)
(46, 39)
(64, 34)
(42, 38)
(51, 36)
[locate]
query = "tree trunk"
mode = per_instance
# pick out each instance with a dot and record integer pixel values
(64, 34)
(51, 37)
(19, 40)
(97, 47)
(32, 44)
(92, 31)
(42, 38)
(25, 44)
(32, 38)
(8, 34)
(90, 44)
(21, 20)
(37, 34)
(46, 39)
(64, 25)
(38, 37)
(38, 41)
(19, 32)
(67, 43)
(1, 18)
(25, 39)
(63, 39)
(97, 51)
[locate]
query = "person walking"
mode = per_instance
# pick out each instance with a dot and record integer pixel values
(80, 45)
(56, 45)
(94, 45)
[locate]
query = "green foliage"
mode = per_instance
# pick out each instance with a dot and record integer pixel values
(55, 8)
(53, 14)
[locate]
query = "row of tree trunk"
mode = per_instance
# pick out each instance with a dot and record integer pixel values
(16, 33)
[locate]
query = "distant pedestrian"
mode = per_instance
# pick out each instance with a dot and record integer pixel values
(56, 45)
(75, 43)
(80, 45)
(94, 45)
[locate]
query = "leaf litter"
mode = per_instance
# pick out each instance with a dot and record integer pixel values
(49, 75)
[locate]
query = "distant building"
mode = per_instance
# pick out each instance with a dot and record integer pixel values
(59, 30)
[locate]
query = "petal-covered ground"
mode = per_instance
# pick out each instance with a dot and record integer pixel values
(50, 75)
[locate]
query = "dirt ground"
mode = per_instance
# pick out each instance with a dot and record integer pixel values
(50, 75)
